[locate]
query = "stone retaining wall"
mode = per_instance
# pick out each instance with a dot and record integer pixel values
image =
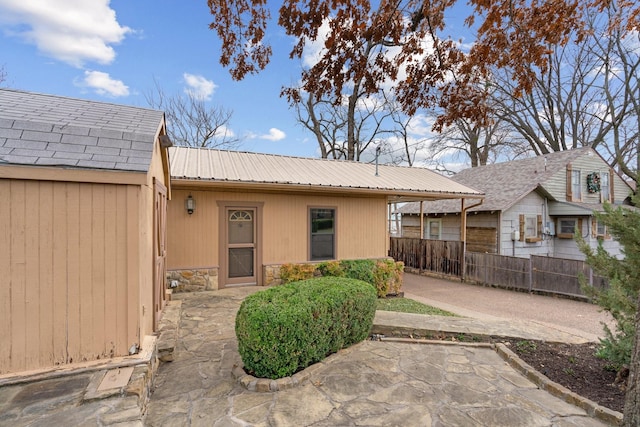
(193, 280)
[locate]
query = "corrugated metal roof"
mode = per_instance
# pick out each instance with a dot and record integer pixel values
(205, 165)
(49, 130)
(504, 183)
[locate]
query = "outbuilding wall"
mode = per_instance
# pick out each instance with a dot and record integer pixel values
(70, 263)
(193, 244)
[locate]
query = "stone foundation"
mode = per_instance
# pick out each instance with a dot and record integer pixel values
(193, 280)
(271, 275)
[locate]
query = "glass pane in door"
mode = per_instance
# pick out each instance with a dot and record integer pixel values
(240, 227)
(240, 262)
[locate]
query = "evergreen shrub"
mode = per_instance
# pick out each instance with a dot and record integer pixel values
(284, 329)
(620, 297)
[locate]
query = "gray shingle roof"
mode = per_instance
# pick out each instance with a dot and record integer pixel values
(504, 183)
(245, 168)
(49, 130)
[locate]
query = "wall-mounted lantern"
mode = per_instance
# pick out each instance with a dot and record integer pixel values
(190, 204)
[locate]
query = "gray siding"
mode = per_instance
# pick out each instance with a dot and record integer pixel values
(532, 204)
(590, 162)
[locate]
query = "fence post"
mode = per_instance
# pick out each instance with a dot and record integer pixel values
(530, 273)
(485, 258)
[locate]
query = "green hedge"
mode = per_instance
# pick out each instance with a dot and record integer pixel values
(284, 329)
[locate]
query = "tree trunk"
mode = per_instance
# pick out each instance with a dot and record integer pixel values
(632, 397)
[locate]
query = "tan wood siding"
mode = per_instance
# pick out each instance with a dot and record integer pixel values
(193, 239)
(70, 268)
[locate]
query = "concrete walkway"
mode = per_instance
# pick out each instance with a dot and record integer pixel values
(403, 382)
(485, 303)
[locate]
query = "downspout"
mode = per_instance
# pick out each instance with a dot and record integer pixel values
(463, 233)
(499, 232)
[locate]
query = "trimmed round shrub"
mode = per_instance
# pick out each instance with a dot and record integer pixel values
(284, 329)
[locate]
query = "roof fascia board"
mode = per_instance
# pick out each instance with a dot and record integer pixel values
(399, 195)
(98, 176)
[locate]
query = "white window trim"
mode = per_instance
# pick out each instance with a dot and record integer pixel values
(576, 175)
(605, 187)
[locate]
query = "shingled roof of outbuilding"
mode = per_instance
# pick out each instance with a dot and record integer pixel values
(504, 183)
(285, 173)
(48, 130)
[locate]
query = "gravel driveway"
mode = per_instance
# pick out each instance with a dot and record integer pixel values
(486, 302)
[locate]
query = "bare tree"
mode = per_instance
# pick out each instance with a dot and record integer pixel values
(192, 123)
(3, 76)
(343, 131)
(479, 145)
(620, 57)
(587, 96)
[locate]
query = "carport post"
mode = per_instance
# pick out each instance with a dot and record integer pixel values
(422, 219)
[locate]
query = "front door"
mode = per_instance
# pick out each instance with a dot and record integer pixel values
(241, 246)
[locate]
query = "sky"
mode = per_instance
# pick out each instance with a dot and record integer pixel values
(115, 51)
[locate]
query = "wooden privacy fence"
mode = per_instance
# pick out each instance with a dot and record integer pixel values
(536, 273)
(438, 256)
(505, 271)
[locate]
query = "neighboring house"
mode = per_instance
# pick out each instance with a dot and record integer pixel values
(532, 206)
(83, 190)
(235, 217)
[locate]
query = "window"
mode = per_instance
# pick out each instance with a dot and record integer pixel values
(599, 229)
(433, 229)
(605, 187)
(530, 228)
(322, 239)
(566, 227)
(576, 193)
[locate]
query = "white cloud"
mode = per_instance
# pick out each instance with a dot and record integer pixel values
(273, 135)
(103, 84)
(314, 49)
(198, 86)
(224, 132)
(72, 31)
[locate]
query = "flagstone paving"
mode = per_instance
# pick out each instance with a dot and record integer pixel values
(387, 382)
(374, 383)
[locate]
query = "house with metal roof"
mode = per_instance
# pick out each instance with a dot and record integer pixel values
(236, 217)
(531, 206)
(92, 214)
(84, 187)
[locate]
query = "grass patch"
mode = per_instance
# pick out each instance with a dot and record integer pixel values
(407, 305)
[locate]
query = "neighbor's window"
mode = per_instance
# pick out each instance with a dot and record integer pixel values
(531, 226)
(323, 231)
(576, 193)
(433, 229)
(601, 229)
(566, 228)
(605, 187)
